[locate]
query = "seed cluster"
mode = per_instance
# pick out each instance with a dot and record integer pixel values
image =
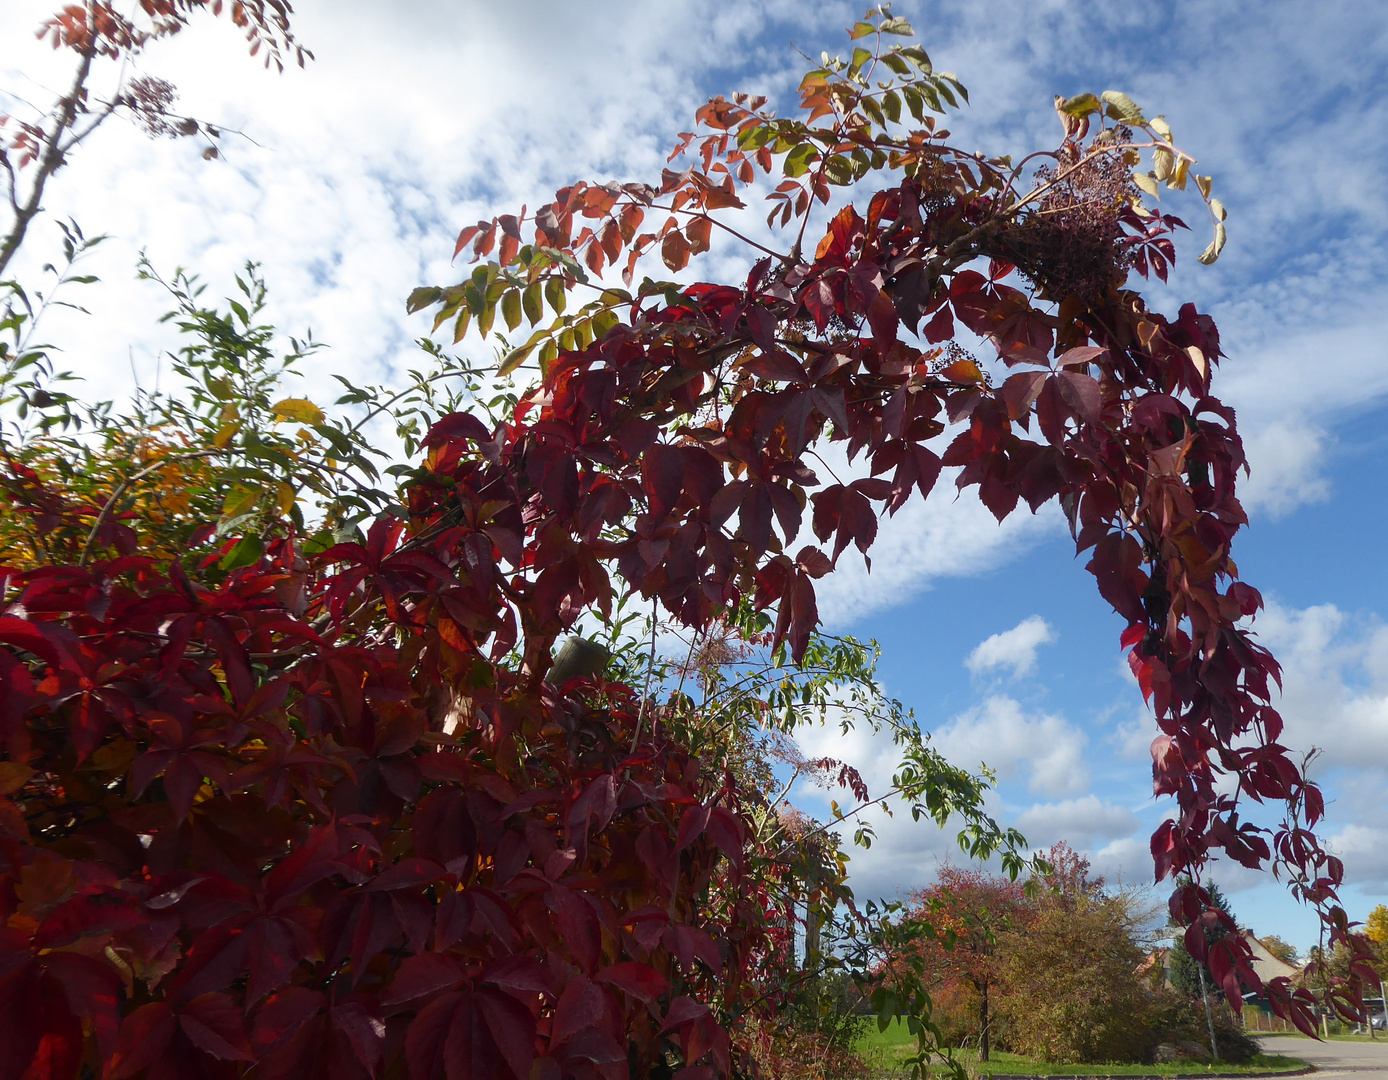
(1072, 243)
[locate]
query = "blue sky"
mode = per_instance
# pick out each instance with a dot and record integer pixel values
(420, 118)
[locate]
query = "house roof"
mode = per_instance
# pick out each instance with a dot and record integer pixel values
(1265, 964)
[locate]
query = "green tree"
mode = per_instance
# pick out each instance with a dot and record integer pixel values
(1282, 950)
(1070, 988)
(1184, 970)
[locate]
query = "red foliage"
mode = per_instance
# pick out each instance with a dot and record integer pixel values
(307, 816)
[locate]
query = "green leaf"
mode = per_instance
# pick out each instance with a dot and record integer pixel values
(513, 359)
(860, 58)
(838, 169)
(873, 110)
(533, 301)
(915, 102)
(422, 297)
(460, 327)
(896, 62)
(511, 308)
(549, 351)
(603, 322)
(246, 552)
(861, 30)
(556, 294)
(799, 160)
(917, 56)
(891, 106)
(1122, 108)
(897, 24)
(1079, 106)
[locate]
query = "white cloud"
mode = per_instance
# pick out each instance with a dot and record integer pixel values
(1124, 860)
(1076, 821)
(1286, 460)
(1335, 684)
(1015, 648)
(1000, 734)
(943, 536)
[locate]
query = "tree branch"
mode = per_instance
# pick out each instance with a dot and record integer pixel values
(49, 162)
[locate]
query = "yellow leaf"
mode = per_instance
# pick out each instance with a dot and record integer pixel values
(285, 497)
(1204, 183)
(239, 500)
(1161, 127)
(1163, 163)
(963, 371)
(300, 409)
(1148, 183)
(225, 433)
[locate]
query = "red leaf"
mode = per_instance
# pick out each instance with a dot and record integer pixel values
(579, 1008)
(512, 1029)
(144, 1036)
(640, 980)
(281, 1016)
(213, 1024)
(422, 975)
(1081, 393)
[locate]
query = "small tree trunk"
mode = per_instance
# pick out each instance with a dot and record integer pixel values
(812, 919)
(1209, 1016)
(983, 1024)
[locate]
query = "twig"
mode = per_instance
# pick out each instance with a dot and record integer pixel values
(646, 691)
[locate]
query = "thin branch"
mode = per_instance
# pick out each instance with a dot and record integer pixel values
(49, 163)
(650, 668)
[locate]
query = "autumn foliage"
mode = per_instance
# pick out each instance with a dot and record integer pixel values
(288, 808)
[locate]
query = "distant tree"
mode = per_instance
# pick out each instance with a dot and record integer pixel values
(1376, 925)
(1184, 969)
(1281, 949)
(1069, 981)
(963, 915)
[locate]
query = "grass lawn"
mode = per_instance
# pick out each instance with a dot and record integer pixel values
(889, 1049)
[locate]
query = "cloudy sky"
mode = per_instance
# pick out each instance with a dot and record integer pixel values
(355, 175)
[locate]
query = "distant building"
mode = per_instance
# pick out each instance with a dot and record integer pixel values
(1265, 964)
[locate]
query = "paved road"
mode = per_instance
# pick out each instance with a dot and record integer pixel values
(1362, 1060)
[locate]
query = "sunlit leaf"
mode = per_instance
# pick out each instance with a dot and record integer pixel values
(299, 410)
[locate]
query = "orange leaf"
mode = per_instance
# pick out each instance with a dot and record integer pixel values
(674, 249)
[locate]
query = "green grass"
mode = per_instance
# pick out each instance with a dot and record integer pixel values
(890, 1049)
